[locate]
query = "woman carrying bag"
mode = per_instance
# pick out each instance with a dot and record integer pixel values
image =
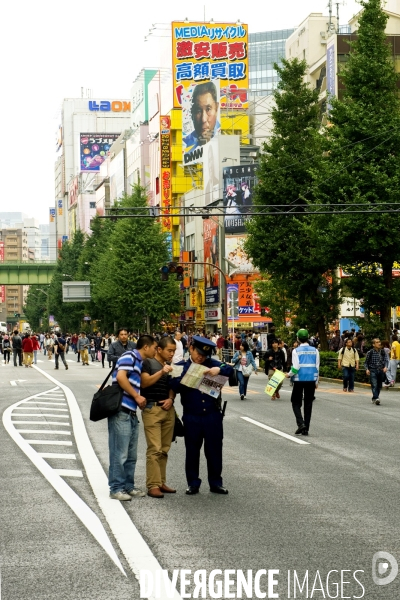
(244, 364)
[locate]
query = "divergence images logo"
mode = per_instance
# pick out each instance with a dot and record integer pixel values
(384, 568)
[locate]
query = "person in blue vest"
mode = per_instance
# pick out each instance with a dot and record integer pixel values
(202, 418)
(305, 369)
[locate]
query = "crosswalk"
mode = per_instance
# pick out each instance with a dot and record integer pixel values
(44, 409)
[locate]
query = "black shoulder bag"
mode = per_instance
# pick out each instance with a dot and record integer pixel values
(107, 401)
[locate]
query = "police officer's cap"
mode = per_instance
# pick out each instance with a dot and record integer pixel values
(203, 345)
(302, 334)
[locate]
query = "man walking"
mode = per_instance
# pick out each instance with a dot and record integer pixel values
(59, 350)
(394, 360)
(83, 345)
(121, 345)
(178, 356)
(123, 427)
(305, 368)
(17, 348)
(376, 365)
(202, 419)
(349, 360)
(27, 349)
(158, 416)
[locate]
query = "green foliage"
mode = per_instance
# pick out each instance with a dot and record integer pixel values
(122, 262)
(35, 308)
(291, 249)
(125, 272)
(363, 166)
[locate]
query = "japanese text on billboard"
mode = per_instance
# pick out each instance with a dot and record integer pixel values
(203, 53)
(211, 258)
(94, 148)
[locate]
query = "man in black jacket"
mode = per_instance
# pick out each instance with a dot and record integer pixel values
(274, 358)
(117, 348)
(17, 348)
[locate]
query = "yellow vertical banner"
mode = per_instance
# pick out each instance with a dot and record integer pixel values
(166, 172)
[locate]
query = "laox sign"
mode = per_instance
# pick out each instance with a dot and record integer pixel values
(107, 106)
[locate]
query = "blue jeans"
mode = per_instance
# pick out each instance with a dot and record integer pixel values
(123, 435)
(243, 381)
(376, 379)
(348, 377)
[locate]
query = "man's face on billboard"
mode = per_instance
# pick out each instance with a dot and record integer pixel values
(204, 113)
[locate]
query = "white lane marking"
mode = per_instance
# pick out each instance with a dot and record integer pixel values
(52, 431)
(41, 423)
(46, 403)
(272, 430)
(38, 408)
(54, 455)
(13, 383)
(78, 506)
(48, 442)
(133, 546)
(42, 415)
(69, 472)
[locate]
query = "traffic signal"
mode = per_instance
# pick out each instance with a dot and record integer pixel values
(233, 308)
(179, 273)
(17, 315)
(164, 273)
(171, 267)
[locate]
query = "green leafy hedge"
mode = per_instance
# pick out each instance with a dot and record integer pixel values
(328, 368)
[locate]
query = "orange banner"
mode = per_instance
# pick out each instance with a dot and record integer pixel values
(166, 172)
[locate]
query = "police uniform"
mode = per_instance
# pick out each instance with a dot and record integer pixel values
(202, 421)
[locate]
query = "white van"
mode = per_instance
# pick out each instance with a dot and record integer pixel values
(3, 327)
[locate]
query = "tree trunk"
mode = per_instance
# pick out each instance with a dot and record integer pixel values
(322, 334)
(386, 307)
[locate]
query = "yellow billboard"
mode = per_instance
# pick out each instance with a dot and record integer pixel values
(204, 52)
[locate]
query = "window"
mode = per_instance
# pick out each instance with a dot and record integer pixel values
(92, 204)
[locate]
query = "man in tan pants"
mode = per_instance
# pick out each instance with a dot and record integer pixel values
(158, 416)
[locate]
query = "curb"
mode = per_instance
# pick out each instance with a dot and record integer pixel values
(358, 384)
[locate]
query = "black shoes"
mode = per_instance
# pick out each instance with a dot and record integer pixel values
(191, 491)
(218, 489)
(301, 430)
(242, 396)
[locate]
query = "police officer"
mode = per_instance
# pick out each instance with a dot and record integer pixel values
(305, 369)
(202, 419)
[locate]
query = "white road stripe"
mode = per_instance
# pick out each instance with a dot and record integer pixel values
(42, 415)
(38, 408)
(68, 473)
(46, 403)
(53, 431)
(135, 549)
(79, 507)
(41, 423)
(54, 455)
(48, 442)
(272, 430)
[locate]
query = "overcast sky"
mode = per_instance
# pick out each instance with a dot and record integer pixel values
(51, 49)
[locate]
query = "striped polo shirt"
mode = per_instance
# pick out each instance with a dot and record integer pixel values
(131, 362)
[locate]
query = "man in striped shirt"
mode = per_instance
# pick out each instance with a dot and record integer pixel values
(123, 427)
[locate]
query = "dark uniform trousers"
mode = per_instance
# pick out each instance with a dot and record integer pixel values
(308, 389)
(207, 427)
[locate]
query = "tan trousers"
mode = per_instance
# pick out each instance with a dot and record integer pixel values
(27, 358)
(85, 356)
(158, 429)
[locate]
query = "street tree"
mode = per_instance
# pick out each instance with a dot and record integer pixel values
(291, 249)
(363, 166)
(35, 309)
(68, 315)
(125, 273)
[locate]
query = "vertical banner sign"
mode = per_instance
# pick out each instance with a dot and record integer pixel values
(166, 173)
(60, 207)
(239, 187)
(52, 215)
(330, 72)
(211, 258)
(246, 298)
(205, 52)
(2, 287)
